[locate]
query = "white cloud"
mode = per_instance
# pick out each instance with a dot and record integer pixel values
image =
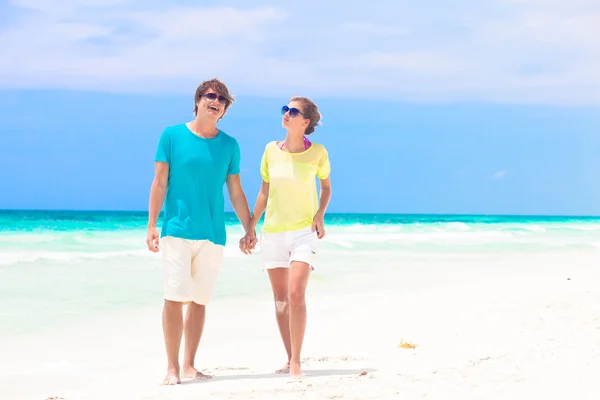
(530, 51)
(500, 174)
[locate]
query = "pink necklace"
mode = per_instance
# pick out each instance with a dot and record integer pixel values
(307, 144)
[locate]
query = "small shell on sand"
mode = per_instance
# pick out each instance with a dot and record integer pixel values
(407, 345)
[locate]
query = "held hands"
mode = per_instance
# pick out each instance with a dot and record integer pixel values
(248, 242)
(318, 225)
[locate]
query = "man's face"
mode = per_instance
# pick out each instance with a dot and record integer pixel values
(212, 104)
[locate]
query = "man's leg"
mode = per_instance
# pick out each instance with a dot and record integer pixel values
(279, 278)
(206, 263)
(177, 261)
(298, 280)
(194, 326)
(172, 320)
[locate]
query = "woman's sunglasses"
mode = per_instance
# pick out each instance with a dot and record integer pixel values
(293, 112)
(214, 96)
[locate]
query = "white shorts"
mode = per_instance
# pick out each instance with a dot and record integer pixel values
(281, 248)
(191, 269)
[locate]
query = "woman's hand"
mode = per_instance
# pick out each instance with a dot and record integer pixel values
(318, 225)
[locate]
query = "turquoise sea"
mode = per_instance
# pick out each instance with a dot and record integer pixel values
(62, 267)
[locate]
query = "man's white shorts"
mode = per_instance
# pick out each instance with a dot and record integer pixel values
(281, 248)
(191, 269)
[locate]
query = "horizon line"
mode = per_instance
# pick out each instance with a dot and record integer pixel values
(2, 210)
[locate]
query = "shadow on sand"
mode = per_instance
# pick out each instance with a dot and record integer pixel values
(308, 373)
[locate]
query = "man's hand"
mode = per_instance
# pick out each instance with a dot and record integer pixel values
(248, 242)
(152, 239)
(319, 225)
(157, 198)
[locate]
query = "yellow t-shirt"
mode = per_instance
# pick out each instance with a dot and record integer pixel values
(292, 201)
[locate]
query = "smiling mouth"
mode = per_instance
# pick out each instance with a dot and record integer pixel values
(214, 108)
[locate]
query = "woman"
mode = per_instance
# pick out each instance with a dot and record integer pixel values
(294, 219)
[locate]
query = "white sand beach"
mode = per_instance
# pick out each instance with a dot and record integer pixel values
(532, 331)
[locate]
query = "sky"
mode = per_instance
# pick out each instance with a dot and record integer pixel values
(484, 107)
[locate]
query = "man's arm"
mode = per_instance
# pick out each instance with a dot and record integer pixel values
(238, 200)
(158, 191)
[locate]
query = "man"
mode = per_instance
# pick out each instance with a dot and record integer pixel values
(193, 162)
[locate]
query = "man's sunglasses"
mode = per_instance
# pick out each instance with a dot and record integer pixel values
(214, 96)
(293, 112)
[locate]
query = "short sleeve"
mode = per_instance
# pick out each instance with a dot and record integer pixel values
(234, 164)
(163, 151)
(264, 167)
(323, 167)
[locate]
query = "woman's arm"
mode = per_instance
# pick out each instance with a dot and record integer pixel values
(325, 196)
(249, 240)
(319, 219)
(260, 205)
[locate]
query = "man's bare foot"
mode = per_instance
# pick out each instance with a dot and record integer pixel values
(284, 370)
(172, 378)
(193, 373)
(295, 370)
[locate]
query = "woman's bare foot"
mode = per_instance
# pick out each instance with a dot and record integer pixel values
(193, 373)
(295, 370)
(172, 378)
(284, 370)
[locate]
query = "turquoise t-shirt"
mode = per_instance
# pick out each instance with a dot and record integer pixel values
(198, 168)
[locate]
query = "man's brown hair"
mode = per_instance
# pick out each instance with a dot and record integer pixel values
(219, 87)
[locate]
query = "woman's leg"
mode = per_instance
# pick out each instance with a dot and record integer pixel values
(298, 280)
(279, 283)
